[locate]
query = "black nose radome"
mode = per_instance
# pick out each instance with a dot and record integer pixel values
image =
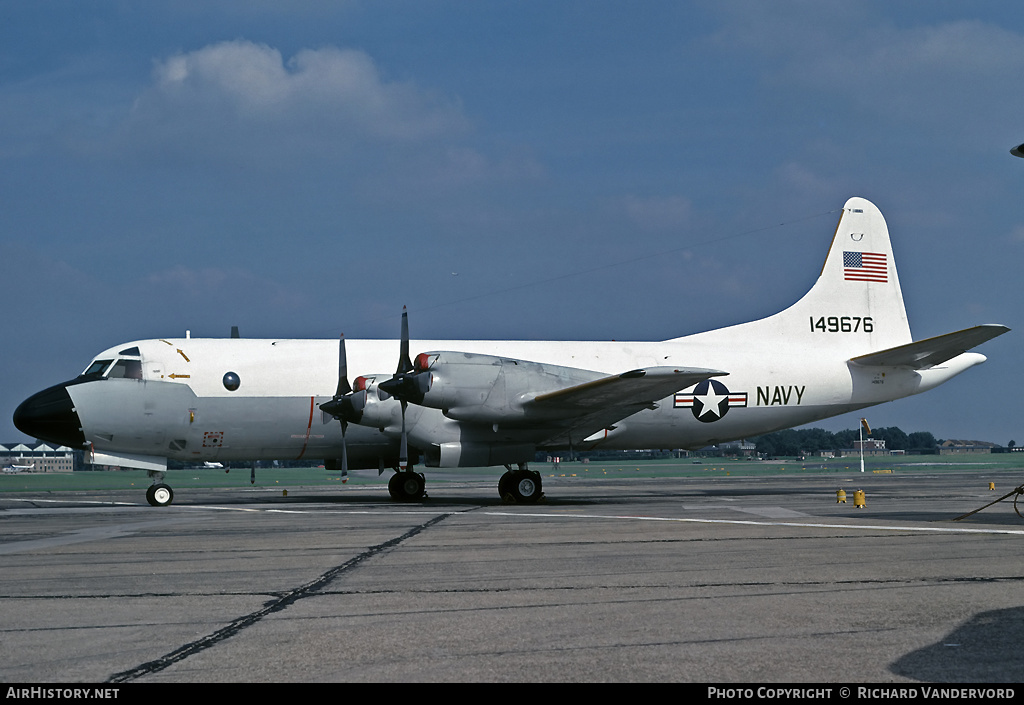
(50, 416)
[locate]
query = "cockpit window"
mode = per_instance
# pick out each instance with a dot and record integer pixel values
(97, 368)
(126, 369)
(134, 352)
(120, 369)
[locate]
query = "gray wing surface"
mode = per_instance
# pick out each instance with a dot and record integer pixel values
(592, 406)
(932, 351)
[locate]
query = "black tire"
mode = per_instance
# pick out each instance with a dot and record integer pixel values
(503, 486)
(159, 495)
(525, 487)
(407, 486)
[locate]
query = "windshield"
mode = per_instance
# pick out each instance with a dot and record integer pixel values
(96, 368)
(111, 369)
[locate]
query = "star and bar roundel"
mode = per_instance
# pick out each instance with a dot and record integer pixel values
(710, 400)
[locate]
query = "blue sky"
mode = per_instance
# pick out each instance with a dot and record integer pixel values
(542, 170)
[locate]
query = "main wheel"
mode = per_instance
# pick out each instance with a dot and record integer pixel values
(503, 482)
(407, 486)
(524, 486)
(159, 495)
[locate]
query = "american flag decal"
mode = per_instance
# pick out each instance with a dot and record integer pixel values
(865, 267)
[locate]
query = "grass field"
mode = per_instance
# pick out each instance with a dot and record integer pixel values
(700, 468)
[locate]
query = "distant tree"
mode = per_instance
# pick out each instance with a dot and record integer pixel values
(845, 439)
(812, 440)
(894, 438)
(764, 445)
(921, 440)
(1011, 444)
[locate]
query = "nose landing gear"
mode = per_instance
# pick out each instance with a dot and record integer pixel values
(158, 494)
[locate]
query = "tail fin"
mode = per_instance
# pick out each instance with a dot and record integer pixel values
(856, 306)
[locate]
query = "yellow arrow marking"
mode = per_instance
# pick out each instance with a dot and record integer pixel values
(183, 355)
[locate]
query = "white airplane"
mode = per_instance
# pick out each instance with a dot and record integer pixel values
(845, 345)
(11, 469)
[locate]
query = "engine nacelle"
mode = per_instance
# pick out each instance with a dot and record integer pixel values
(474, 455)
(489, 389)
(371, 401)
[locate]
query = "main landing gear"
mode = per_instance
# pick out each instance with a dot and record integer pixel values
(158, 494)
(522, 486)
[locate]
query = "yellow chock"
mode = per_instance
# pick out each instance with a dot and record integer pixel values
(858, 499)
(841, 497)
(991, 485)
(284, 493)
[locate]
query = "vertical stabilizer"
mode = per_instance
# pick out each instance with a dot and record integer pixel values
(856, 306)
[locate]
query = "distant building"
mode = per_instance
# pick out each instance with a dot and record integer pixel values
(745, 448)
(729, 448)
(870, 446)
(37, 457)
(955, 447)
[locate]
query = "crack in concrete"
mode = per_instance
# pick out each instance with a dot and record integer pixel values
(277, 605)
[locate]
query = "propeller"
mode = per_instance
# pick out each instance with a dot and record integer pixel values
(407, 385)
(344, 406)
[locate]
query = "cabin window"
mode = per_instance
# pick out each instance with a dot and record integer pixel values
(231, 381)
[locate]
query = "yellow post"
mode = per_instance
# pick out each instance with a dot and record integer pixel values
(858, 499)
(991, 485)
(841, 497)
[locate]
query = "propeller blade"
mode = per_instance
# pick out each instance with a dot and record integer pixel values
(345, 405)
(344, 449)
(404, 363)
(343, 386)
(403, 454)
(407, 384)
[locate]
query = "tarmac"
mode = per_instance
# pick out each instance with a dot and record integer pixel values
(698, 580)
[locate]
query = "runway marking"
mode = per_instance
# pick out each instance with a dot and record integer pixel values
(548, 515)
(751, 522)
(220, 508)
(72, 501)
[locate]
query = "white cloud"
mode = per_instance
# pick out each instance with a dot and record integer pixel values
(232, 95)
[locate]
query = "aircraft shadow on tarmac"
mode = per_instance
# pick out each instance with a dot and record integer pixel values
(985, 649)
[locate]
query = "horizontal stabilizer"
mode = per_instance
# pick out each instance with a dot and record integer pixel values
(636, 388)
(932, 351)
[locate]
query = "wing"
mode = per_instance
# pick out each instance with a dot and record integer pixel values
(589, 411)
(538, 401)
(931, 351)
(633, 390)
